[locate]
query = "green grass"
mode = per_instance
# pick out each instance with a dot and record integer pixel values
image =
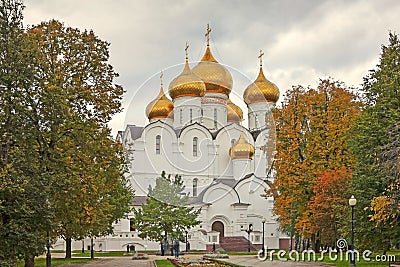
(163, 263)
(41, 262)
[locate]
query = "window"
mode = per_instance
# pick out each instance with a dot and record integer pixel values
(195, 180)
(131, 225)
(158, 144)
(180, 116)
(191, 115)
(233, 141)
(215, 118)
(257, 238)
(195, 146)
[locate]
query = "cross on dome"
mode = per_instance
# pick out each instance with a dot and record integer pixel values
(260, 57)
(186, 50)
(208, 34)
(161, 76)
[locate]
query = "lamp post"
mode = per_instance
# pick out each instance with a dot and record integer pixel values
(48, 255)
(263, 248)
(186, 241)
(352, 203)
(248, 231)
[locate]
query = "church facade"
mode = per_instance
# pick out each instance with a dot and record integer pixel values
(226, 167)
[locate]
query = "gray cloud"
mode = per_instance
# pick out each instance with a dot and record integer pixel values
(302, 40)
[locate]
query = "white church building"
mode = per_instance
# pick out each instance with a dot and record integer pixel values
(196, 132)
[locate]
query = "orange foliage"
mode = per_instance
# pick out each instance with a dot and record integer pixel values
(311, 139)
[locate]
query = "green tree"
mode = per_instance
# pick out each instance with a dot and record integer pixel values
(368, 137)
(166, 215)
(23, 213)
(76, 98)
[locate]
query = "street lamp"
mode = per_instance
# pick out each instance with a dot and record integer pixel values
(263, 248)
(352, 203)
(48, 255)
(248, 231)
(186, 240)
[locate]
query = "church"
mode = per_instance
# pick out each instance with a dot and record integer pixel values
(196, 131)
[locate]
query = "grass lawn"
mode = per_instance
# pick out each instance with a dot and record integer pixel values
(164, 263)
(41, 262)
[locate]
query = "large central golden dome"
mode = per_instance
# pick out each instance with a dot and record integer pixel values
(241, 149)
(261, 90)
(215, 76)
(186, 84)
(160, 108)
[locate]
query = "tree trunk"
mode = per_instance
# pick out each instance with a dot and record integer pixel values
(68, 252)
(313, 243)
(29, 261)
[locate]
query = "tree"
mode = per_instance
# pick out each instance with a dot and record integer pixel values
(22, 210)
(75, 99)
(371, 141)
(60, 173)
(166, 215)
(311, 140)
(328, 203)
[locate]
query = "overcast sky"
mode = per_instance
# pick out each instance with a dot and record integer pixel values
(303, 41)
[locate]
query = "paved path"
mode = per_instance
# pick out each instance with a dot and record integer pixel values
(253, 261)
(244, 260)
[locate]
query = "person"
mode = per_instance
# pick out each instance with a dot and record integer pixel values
(176, 248)
(213, 247)
(162, 248)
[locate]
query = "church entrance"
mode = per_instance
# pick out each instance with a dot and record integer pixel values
(218, 227)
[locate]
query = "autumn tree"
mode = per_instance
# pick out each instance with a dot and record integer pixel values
(61, 173)
(328, 203)
(75, 99)
(166, 215)
(311, 128)
(372, 140)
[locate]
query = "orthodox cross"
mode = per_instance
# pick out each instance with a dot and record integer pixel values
(208, 34)
(260, 56)
(161, 75)
(186, 50)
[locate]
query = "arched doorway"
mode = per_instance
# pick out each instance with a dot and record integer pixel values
(218, 227)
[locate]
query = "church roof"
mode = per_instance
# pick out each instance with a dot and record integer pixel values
(136, 131)
(139, 200)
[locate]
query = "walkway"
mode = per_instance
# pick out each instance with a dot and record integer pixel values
(244, 260)
(253, 261)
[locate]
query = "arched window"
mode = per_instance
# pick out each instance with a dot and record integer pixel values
(158, 144)
(195, 146)
(191, 115)
(215, 118)
(195, 180)
(181, 116)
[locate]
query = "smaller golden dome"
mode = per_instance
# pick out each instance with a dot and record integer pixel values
(241, 149)
(235, 113)
(261, 90)
(160, 108)
(215, 76)
(187, 83)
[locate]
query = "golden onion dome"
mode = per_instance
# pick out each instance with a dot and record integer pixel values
(234, 113)
(160, 108)
(241, 149)
(186, 84)
(215, 76)
(261, 90)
